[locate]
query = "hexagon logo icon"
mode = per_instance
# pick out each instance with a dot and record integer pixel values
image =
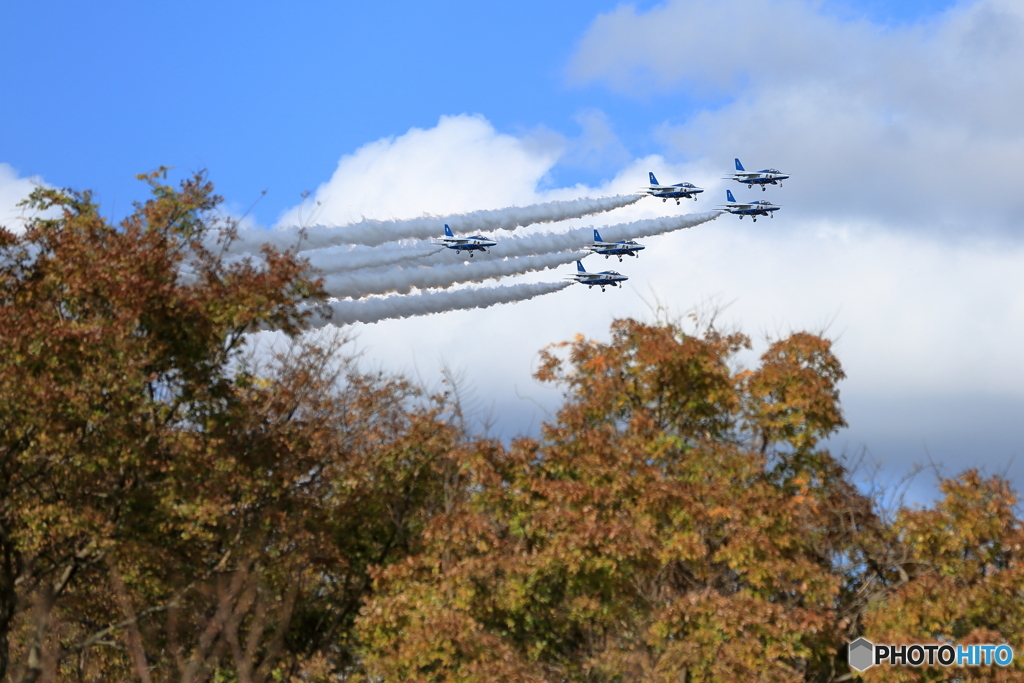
(861, 654)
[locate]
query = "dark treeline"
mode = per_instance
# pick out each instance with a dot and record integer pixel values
(173, 510)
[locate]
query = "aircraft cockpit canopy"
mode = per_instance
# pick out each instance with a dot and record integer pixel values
(771, 170)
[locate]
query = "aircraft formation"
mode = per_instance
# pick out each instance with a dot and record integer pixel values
(376, 269)
(678, 191)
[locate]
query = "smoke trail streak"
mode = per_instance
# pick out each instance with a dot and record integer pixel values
(530, 245)
(364, 283)
(344, 259)
(375, 232)
(373, 310)
(547, 242)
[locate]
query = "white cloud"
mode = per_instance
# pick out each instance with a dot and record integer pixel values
(460, 165)
(913, 314)
(13, 189)
(597, 147)
(705, 44)
(916, 127)
(735, 46)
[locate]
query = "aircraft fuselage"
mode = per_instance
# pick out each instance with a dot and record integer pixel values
(470, 244)
(606, 279)
(764, 177)
(677, 192)
(619, 249)
(755, 210)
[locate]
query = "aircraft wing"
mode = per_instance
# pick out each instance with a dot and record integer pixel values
(455, 240)
(744, 174)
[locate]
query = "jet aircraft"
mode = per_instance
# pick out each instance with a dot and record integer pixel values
(460, 244)
(666, 192)
(608, 277)
(765, 177)
(620, 248)
(754, 209)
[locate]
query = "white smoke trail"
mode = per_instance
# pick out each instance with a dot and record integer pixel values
(547, 242)
(345, 259)
(374, 232)
(373, 310)
(365, 282)
(656, 226)
(511, 247)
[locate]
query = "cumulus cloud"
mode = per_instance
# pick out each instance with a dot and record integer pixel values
(460, 165)
(918, 126)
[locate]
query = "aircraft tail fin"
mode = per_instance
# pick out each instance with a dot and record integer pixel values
(597, 236)
(728, 195)
(579, 267)
(654, 181)
(448, 231)
(739, 166)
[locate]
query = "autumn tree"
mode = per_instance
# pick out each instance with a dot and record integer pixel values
(167, 511)
(677, 522)
(960, 579)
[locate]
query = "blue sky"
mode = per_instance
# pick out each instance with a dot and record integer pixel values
(269, 95)
(900, 232)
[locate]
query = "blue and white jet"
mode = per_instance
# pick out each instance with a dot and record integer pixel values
(602, 280)
(754, 209)
(460, 244)
(676, 192)
(620, 248)
(764, 177)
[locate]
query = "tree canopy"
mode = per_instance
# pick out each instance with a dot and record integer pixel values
(174, 508)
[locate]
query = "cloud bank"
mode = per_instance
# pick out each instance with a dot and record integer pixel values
(917, 127)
